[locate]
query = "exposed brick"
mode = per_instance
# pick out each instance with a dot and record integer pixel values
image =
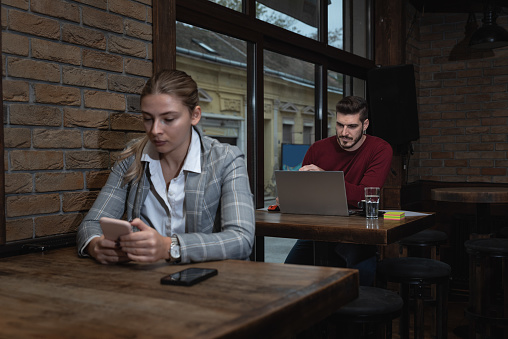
(78, 201)
(104, 100)
(37, 70)
(468, 171)
(102, 20)
(442, 155)
(138, 30)
(19, 229)
(125, 121)
(74, 117)
(57, 224)
(104, 139)
(102, 60)
(51, 182)
(127, 46)
(494, 138)
(16, 183)
(502, 147)
(129, 8)
(15, 90)
(138, 67)
(34, 24)
(51, 138)
(96, 179)
(21, 4)
(61, 95)
(84, 77)
(455, 147)
(83, 36)
(36, 160)
(23, 205)
(444, 171)
(481, 147)
(15, 44)
(87, 159)
(102, 4)
(58, 52)
(455, 163)
(493, 171)
(481, 163)
(56, 8)
(126, 84)
(133, 104)
(21, 114)
(17, 138)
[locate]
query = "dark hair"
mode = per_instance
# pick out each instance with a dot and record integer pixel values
(353, 105)
(173, 82)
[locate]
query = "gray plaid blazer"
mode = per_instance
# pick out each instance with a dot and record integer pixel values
(219, 205)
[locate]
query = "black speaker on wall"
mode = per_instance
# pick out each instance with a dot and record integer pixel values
(391, 96)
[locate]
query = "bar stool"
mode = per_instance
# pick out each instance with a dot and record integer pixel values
(370, 315)
(488, 287)
(427, 238)
(414, 274)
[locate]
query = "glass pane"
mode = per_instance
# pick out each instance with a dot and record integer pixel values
(298, 16)
(288, 115)
(218, 64)
(335, 94)
(335, 27)
(355, 28)
(233, 4)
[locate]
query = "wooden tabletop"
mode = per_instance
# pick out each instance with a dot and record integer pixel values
(354, 229)
(486, 195)
(57, 294)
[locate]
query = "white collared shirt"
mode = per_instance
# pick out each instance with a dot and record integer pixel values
(164, 209)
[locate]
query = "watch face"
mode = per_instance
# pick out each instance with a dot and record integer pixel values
(175, 252)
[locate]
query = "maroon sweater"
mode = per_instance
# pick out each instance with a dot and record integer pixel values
(368, 166)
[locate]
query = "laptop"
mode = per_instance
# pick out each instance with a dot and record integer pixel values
(312, 192)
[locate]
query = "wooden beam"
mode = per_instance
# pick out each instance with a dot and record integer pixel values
(164, 34)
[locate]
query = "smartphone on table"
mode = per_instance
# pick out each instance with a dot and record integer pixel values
(189, 276)
(114, 228)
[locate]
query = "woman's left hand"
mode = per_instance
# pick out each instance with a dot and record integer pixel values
(147, 245)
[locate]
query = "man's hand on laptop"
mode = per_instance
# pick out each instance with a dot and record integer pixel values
(311, 167)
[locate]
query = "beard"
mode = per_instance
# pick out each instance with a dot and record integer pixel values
(347, 142)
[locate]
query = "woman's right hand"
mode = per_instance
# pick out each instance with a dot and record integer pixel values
(106, 251)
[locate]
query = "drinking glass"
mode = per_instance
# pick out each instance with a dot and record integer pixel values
(372, 202)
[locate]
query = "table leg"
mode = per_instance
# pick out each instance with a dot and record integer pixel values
(321, 253)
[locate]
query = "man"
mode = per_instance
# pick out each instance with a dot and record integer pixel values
(365, 161)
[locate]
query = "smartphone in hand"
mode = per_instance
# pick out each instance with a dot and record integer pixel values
(114, 228)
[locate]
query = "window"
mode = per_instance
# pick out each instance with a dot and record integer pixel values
(268, 82)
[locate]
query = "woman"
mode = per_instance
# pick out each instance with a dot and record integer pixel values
(187, 194)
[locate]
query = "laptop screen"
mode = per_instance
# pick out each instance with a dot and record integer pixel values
(312, 192)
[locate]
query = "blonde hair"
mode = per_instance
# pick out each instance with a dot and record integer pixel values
(172, 82)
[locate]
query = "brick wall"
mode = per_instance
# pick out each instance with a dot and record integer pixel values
(72, 72)
(462, 103)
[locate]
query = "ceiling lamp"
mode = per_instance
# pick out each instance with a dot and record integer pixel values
(490, 35)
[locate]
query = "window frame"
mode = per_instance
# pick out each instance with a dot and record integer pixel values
(259, 36)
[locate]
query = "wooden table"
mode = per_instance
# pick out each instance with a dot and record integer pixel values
(353, 229)
(56, 294)
(323, 229)
(481, 196)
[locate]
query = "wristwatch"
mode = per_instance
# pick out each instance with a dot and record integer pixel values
(174, 251)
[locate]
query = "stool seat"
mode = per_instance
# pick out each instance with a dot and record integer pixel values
(415, 274)
(370, 315)
(492, 246)
(425, 238)
(373, 301)
(408, 269)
